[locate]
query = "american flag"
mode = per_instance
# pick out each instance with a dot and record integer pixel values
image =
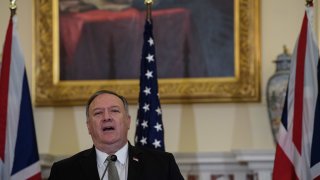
(149, 127)
(298, 149)
(19, 158)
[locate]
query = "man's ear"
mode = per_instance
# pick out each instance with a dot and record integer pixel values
(129, 119)
(88, 127)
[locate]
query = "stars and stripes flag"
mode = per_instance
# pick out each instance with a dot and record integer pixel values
(298, 148)
(149, 129)
(19, 158)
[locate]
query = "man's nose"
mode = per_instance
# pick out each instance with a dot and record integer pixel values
(107, 116)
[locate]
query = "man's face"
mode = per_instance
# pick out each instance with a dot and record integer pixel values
(108, 122)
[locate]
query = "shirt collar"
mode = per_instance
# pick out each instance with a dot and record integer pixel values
(101, 157)
(122, 155)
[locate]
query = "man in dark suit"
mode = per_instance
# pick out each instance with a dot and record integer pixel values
(108, 122)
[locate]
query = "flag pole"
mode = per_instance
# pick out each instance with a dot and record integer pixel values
(148, 4)
(13, 7)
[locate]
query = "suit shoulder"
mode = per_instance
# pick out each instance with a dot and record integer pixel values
(74, 158)
(155, 154)
(156, 163)
(79, 166)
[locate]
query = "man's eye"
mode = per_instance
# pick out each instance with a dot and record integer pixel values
(97, 113)
(115, 110)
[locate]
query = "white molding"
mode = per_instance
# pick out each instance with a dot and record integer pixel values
(237, 163)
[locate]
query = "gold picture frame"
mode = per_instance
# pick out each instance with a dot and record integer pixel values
(243, 87)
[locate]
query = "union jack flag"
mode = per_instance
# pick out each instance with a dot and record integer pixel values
(19, 158)
(298, 148)
(149, 129)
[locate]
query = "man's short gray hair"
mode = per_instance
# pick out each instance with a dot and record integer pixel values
(93, 96)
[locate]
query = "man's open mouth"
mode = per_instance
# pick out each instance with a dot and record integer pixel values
(108, 128)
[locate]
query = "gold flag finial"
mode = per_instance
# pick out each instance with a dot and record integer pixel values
(13, 7)
(148, 3)
(285, 50)
(309, 2)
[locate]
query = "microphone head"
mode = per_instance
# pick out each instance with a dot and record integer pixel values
(113, 158)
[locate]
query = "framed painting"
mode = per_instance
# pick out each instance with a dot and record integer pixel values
(206, 51)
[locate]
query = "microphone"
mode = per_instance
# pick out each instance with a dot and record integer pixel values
(109, 158)
(113, 158)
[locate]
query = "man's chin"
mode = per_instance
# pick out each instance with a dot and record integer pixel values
(111, 141)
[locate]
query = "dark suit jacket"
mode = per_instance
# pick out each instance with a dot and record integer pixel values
(143, 165)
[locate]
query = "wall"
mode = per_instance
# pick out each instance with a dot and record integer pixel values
(188, 128)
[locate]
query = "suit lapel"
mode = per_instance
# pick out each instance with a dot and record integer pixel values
(135, 163)
(89, 164)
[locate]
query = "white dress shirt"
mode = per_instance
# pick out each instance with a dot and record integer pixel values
(121, 163)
